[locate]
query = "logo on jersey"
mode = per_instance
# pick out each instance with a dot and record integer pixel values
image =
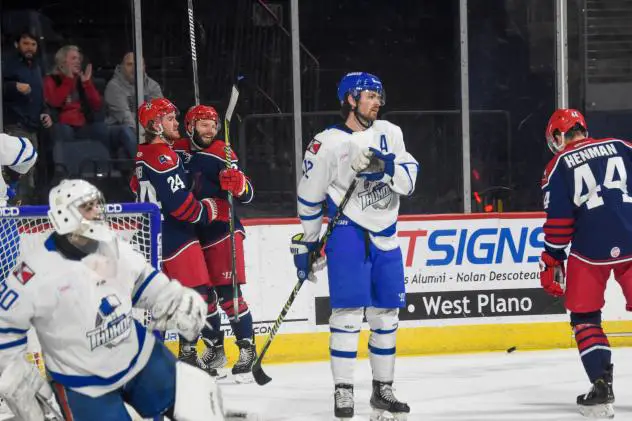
(615, 252)
(378, 195)
(186, 157)
(163, 159)
(23, 273)
(112, 324)
(314, 146)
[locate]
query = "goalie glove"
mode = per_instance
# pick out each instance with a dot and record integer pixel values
(552, 275)
(20, 382)
(306, 264)
(179, 308)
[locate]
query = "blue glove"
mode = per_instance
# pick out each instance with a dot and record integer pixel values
(381, 167)
(12, 190)
(302, 250)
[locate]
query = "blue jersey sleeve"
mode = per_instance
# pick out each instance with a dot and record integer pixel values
(205, 167)
(559, 208)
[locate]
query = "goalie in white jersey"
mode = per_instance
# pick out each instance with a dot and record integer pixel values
(17, 157)
(77, 290)
(364, 261)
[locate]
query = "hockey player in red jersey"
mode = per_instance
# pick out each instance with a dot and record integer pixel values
(211, 178)
(587, 204)
(161, 179)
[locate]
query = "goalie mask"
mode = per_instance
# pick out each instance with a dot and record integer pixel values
(201, 137)
(77, 207)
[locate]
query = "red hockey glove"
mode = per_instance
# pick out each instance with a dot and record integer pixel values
(552, 275)
(233, 180)
(218, 209)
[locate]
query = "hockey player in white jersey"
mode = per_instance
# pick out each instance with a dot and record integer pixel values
(77, 290)
(17, 157)
(364, 261)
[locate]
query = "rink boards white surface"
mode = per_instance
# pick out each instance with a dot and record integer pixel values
(520, 386)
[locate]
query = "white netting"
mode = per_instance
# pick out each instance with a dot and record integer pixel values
(21, 229)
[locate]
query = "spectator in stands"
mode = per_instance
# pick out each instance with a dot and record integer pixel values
(120, 93)
(25, 112)
(74, 99)
(120, 98)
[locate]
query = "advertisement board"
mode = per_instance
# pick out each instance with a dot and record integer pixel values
(472, 283)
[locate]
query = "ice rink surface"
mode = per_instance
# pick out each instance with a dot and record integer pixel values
(526, 386)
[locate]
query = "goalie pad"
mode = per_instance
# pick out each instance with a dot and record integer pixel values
(197, 396)
(20, 382)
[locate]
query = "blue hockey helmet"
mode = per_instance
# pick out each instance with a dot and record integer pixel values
(356, 82)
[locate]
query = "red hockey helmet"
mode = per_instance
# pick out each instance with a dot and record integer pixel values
(150, 113)
(200, 112)
(561, 122)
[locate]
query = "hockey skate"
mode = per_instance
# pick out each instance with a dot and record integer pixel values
(343, 402)
(385, 405)
(188, 354)
(242, 370)
(213, 360)
(597, 403)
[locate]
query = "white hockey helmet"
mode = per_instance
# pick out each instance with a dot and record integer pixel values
(65, 200)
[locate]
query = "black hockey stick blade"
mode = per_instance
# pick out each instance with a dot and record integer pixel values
(261, 378)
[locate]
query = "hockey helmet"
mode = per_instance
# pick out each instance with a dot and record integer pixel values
(200, 112)
(356, 82)
(561, 121)
(152, 111)
(65, 200)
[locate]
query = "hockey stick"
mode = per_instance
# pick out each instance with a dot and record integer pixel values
(196, 81)
(257, 372)
(234, 96)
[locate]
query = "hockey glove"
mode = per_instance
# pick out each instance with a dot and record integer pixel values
(362, 161)
(552, 275)
(217, 209)
(12, 190)
(179, 308)
(234, 181)
(381, 167)
(19, 383)
(304, 261)
(11, 178)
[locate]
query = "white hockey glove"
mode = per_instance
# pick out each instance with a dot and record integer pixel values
(19, 383)
(362, 161)
(179, 308)
(302, 251)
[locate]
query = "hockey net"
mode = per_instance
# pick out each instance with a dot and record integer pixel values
(22, 228)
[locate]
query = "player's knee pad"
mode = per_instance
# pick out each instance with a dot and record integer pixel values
(225, 293)
(588, 331)
(345, 325)
(592, 318)
(383, 323)
(197, 396)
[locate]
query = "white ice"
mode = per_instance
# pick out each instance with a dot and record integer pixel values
(521, 386)
(526, 386)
